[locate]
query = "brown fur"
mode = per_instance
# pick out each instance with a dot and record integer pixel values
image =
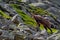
(40, 20)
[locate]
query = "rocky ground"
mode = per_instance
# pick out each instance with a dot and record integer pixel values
(15, 20)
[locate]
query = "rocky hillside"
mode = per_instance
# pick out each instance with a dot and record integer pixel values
(16, 22)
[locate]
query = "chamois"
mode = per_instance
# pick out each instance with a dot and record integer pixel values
(40, 20)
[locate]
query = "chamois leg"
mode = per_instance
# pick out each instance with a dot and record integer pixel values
(45, 28)
(50, 29)
(38, 27)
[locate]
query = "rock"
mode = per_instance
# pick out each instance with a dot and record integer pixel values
(0, 32)
(14, 19)
(19, 37)
(22, 31)
(37, 4)
(39, 38)
(24, 0)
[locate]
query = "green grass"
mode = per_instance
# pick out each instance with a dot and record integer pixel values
(28, 20)
(53, 30)
(4, 14)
